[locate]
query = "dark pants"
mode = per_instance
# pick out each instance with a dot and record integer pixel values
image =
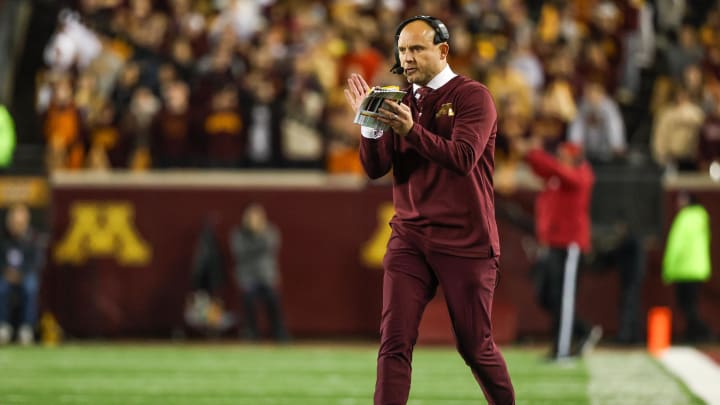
(629, 259)
(28, 299)
(412, 275)
(632, 272)
(269, 297)
(549, 274)
(687, 295)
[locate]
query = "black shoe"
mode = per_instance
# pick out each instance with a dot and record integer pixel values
(553, 356)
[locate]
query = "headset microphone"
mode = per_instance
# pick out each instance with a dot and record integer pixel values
(397, 69)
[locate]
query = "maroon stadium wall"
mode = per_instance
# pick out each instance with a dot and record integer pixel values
(119, 262)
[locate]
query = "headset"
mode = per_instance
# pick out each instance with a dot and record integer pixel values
(441, 35)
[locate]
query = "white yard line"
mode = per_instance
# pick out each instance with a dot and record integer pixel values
(630, 378)
(698, 372)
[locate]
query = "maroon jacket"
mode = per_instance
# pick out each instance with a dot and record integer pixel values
(562, 209)
(443, 170)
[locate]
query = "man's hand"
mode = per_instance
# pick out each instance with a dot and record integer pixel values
(398, 116)
(356, 91)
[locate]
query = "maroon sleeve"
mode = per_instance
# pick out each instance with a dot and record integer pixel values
(475, 119)
(546, 166)
(376, 154)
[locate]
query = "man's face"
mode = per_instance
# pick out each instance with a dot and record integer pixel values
(419, 56)
(255, 218)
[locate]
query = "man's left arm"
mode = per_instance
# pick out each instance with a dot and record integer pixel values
(475, 118)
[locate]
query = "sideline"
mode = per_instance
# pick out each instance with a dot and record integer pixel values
(630, 378)
(698, 372)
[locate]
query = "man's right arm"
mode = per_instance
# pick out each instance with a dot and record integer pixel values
(545, 165)
(375, 146)
(376, 152)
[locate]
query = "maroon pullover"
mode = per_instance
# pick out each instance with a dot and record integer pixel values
(443, 170)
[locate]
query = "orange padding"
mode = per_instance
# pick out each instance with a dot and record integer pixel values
(659, 327)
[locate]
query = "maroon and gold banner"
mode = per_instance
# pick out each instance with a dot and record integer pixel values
(122, 244)
(121, 253)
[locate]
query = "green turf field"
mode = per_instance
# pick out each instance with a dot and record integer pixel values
(309, 375)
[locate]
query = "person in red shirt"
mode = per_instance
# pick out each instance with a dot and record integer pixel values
(441, 152)
(562, 226)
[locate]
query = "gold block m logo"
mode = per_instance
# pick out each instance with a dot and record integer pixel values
(373, 251)
(102, 230)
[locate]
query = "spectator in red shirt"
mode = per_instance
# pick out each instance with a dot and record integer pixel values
(562, 225)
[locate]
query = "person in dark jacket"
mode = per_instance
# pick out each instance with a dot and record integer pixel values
(205, 308)
(208, 263)
(562, 226)
(255, 246)
(20, 261)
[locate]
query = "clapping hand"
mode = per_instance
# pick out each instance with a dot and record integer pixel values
(396, 115)
(356, 91)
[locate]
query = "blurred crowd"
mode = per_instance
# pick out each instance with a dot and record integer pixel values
(140, 84)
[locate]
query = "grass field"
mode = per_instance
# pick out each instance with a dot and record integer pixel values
(311, 374)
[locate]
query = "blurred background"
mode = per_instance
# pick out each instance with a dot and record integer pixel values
(139, 131)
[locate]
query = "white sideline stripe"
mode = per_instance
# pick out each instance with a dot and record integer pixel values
(630, 378)
(568, 300)
(699, 373)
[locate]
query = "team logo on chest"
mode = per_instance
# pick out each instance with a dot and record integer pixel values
(445, 109)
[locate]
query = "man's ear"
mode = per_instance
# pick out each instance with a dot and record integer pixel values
(444, 50)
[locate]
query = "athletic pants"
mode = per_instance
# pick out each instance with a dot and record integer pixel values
(412, 275)
(556, 282)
